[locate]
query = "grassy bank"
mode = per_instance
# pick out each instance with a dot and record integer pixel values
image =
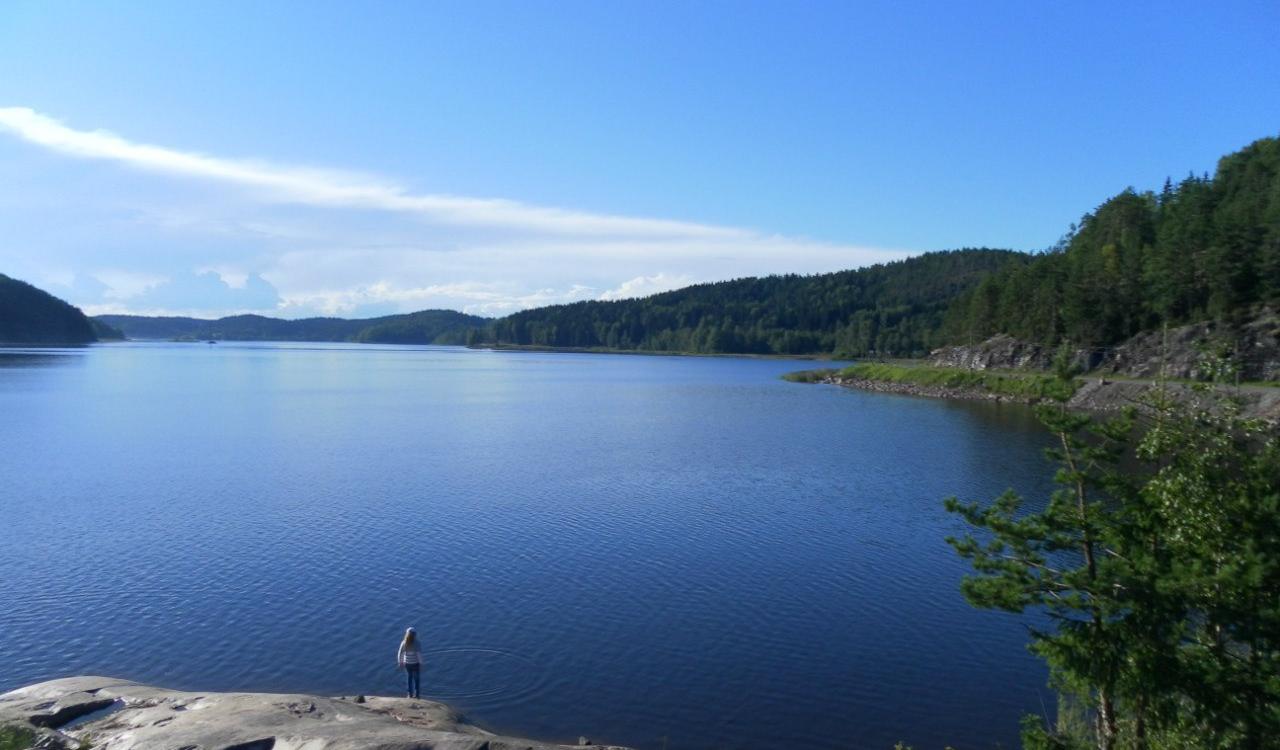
(16, 738)
(1017, 385)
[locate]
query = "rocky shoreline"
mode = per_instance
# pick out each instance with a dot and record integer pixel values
(114, 714)
(929, 391)
(1095, 395)
(1253, 348)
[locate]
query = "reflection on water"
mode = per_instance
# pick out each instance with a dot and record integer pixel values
(625, 547)
(38, 357)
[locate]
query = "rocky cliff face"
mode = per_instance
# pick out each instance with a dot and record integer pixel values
(113, 714)
(1254, 348)
(1176, 353)
(1003, 352)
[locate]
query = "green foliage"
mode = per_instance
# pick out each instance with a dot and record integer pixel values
(1070, 731)
(13, 737)
(1204, 249)
(894, 308)
(810, 376)
(31, 316)
(1158, 565)
(1023, 386)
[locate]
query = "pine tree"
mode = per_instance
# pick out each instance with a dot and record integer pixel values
(1161, 580)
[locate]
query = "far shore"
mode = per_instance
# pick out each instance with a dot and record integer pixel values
(817, 357)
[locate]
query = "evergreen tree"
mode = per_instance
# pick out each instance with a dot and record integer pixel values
(1161, 581)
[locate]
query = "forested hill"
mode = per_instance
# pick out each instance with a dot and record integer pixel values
(1204, 249)
(894, 308)
(425, 327)
(31, 316)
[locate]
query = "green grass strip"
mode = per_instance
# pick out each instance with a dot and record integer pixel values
(1029, 386)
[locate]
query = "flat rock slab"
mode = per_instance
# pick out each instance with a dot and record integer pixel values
(115, 714)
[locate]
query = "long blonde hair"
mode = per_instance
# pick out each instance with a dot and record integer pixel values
(410, 638)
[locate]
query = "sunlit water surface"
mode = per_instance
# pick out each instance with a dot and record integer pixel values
(633, 548)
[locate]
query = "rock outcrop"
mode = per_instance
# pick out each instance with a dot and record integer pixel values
(1103, 395)
(1001, 352)
(1178, 353)
(113, 714)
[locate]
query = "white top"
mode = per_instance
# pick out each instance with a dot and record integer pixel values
(410, 655)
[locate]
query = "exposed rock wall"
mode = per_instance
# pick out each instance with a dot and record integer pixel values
(1177, 353)
(116, 714)
(1004, 352)
(1103, 395)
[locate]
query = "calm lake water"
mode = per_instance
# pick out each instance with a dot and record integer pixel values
(626, 547)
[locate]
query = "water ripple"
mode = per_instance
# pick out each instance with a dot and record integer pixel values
(625, 547)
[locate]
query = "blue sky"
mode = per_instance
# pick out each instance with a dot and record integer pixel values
(363, 158)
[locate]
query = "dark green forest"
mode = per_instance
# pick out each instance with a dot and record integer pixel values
(31, 316)
(1206, 248)
(425, 327)
(893, 308)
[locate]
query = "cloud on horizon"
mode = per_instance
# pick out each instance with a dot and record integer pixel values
(223, 235)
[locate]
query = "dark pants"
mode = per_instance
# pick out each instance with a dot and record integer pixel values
(411, 672)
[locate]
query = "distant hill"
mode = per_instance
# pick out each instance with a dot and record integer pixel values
(105, 332)
(1205, 250)
(892, 308)
(31, 316)
(426, 327)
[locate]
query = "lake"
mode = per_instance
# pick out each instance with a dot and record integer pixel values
(627, 547)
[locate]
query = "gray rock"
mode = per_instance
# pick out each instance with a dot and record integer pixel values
(150, 718)
(1178, 353)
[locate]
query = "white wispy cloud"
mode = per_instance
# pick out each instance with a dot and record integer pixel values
(319, 241)
(328, 188)
(643, 286)
(491, 299)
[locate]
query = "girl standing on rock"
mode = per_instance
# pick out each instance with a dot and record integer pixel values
(409, 658)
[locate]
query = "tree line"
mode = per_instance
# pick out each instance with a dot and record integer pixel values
(892, 308)
(1206, 248)
(424, 327)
